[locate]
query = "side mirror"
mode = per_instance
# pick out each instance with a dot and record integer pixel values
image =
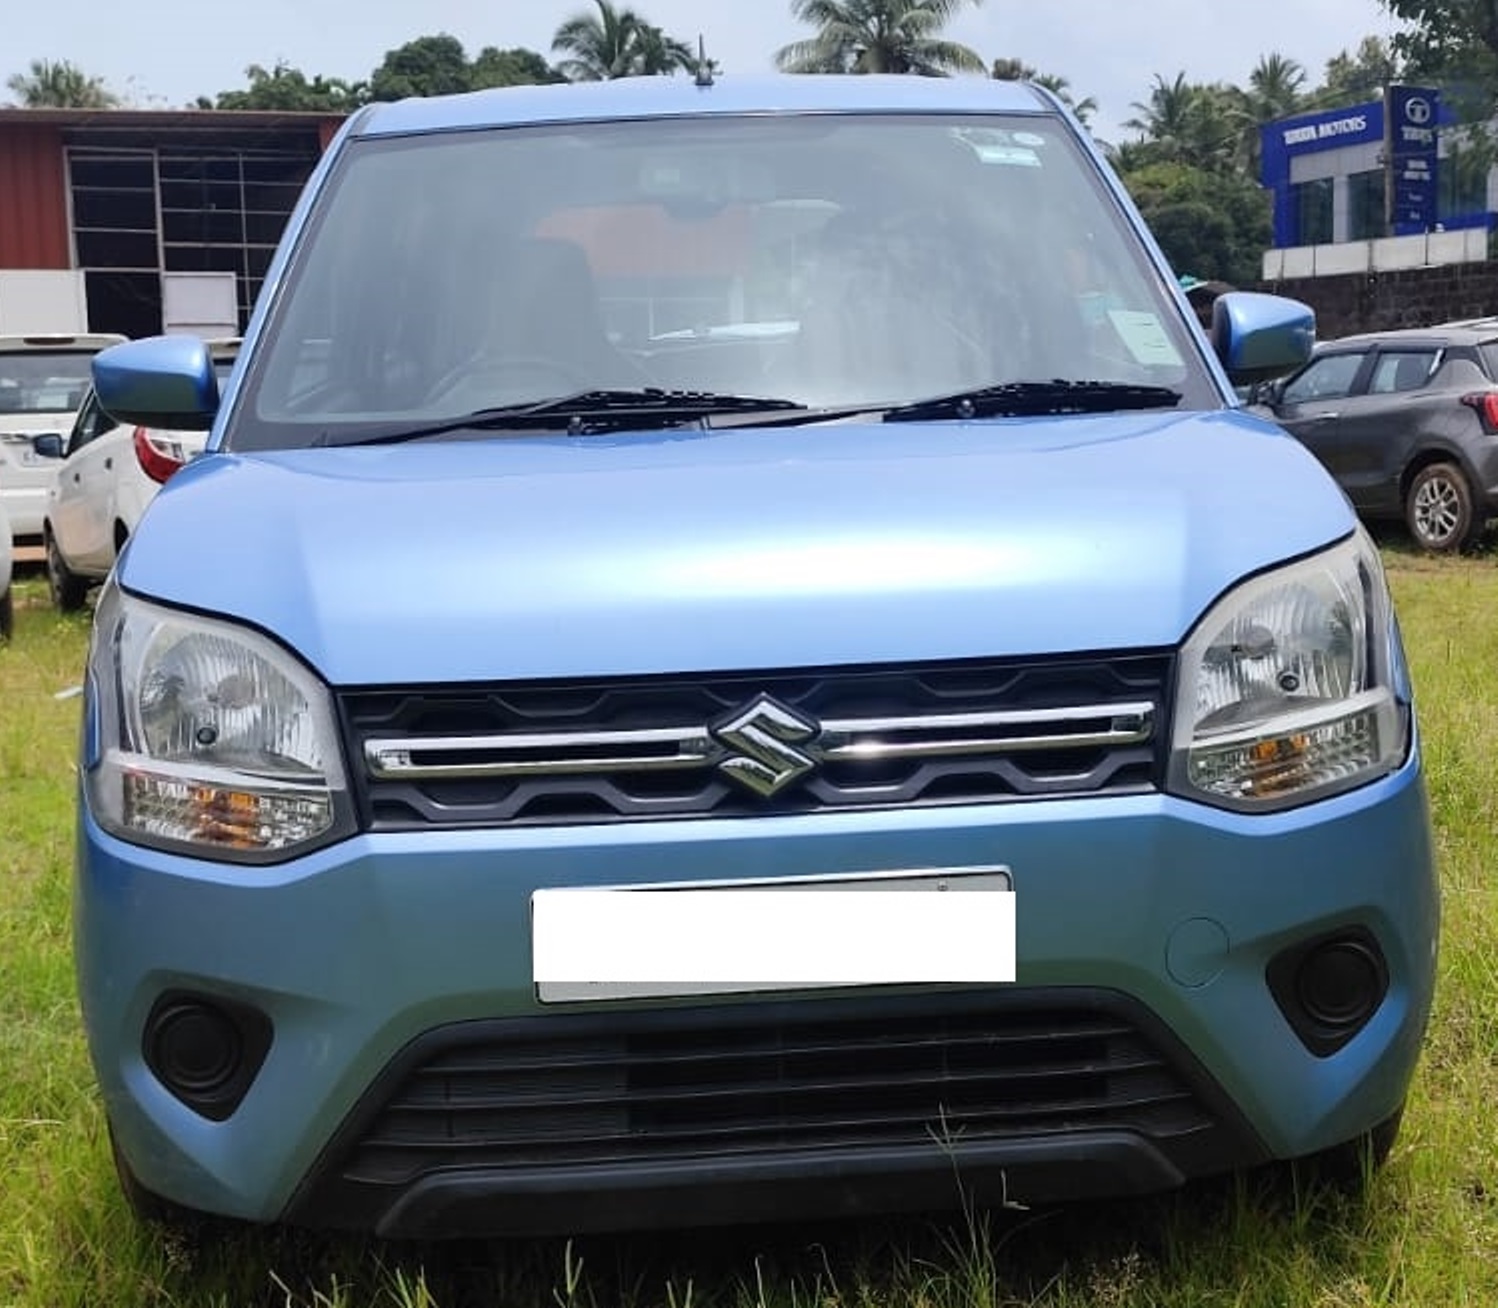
(48, 445)
(1266, 393)
(1260, 337)
(163, 381)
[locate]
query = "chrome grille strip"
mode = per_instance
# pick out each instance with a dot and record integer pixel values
(561, 753)
(581, 753)
(855, 738)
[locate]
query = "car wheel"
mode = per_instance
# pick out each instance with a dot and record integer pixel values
(7, 614)
(69, 590)
(1438, 509)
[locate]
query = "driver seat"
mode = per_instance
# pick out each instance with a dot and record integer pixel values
(544, 309)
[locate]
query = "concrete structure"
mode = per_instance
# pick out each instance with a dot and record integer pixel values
(135, 198)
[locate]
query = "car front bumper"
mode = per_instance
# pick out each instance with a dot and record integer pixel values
(379, 958)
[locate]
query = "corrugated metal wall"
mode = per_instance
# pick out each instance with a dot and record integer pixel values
(33, 198)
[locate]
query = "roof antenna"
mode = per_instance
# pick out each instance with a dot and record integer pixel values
(704, 64)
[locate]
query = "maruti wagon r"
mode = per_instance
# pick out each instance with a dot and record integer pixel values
(732, 653)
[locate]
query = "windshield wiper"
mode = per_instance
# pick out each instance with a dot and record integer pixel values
(583, 413)
(1031, 399)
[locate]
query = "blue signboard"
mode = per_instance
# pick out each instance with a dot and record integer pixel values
(1406, 123)
(1413, 115)
(1290, 138)
(1332, 129)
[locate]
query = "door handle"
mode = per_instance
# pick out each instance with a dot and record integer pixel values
(108, 464)
(75, 478)
(1326, 417)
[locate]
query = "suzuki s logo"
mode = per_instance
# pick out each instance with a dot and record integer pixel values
(763, 740)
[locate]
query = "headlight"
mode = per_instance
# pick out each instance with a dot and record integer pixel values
(1286, 690)
(208, 738)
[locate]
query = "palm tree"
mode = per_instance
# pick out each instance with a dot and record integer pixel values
(1166, 116)
(616, 43)
(657, 53)
(1017, 70)
(878, 36)
(60, 86)
(1197, 124)
(1276, 87)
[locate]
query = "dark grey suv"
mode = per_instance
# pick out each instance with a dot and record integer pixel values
(1407, 422)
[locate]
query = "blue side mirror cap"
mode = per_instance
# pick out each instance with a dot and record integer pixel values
(162, 381)
(48, 445)
(1259, 337)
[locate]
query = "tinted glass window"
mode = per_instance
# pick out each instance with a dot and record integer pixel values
(43, 381)
(820, 259)
(1326, 378)
(1402, 370)
(92, 423)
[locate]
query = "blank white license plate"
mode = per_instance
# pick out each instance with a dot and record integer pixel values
(949, 926)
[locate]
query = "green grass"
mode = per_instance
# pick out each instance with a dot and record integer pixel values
(1424, 1233)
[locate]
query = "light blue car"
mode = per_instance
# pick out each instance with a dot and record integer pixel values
(731, 655)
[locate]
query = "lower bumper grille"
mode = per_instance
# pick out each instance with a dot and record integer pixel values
(756, 1080)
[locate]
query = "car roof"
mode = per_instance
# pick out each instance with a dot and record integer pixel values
(667, 97)
(56, 341)
(1468, 331)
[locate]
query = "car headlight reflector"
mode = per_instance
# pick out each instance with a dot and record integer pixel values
(211, 737)
(1286, 689)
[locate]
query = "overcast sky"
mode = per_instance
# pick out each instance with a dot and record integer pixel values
(165, 53)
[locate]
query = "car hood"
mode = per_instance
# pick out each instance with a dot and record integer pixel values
(509, 558)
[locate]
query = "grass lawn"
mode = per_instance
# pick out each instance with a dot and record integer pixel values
(1425, 1233)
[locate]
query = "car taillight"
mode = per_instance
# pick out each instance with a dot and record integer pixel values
(1486, 405)
(158, 459)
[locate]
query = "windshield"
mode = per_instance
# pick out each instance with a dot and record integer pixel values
(43, 381)
(822, 260)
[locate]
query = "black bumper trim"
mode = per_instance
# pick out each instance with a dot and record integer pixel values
(692, 1183)
(813, 1184)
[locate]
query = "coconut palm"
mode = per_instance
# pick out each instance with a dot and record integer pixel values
(616, 43)
(878, 36)
(60, 85)
(1276, 88)
(1017, 70)
(1167, 115)
(1200, 124)
(657, 53)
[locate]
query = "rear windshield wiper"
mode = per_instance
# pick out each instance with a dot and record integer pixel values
(1030, 399)
(582, 413)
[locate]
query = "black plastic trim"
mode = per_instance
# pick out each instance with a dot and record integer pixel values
(713, 1186)
(253, 1029)
(1321, 1037)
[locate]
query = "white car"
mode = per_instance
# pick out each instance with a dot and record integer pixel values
(43, 380)
(109, 472)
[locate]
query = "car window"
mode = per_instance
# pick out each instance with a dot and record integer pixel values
(1402, 370)
(43, 381)
(92, 423)
(822, 259)
(1327, 378)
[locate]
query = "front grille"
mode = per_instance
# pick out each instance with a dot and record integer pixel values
(756, 744)
(750, 1080)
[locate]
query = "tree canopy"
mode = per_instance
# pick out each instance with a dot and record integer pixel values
(289, 89)
(1017, 70)
(616, 42)
(60, 85)
(879, 36)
